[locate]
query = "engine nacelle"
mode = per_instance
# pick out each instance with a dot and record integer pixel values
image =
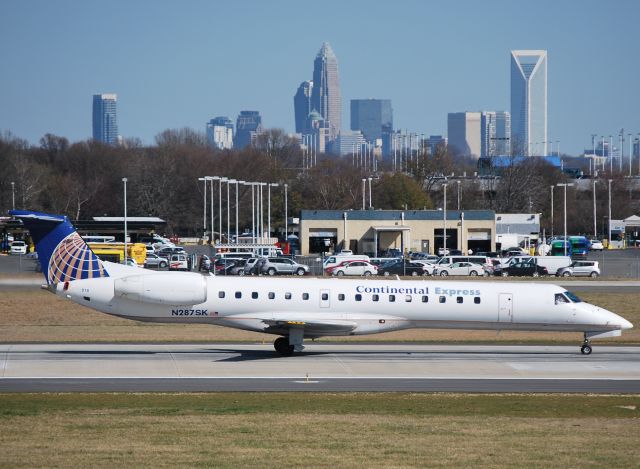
(167, 288)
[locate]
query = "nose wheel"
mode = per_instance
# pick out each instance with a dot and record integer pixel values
(586, 347)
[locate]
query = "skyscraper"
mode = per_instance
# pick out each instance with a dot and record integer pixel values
(220, 133)
(463, 130)
(248, 125)
(302, 105)
(495, 128)
(529, 101)
(105, 122)
(325, 96)
(372, 117)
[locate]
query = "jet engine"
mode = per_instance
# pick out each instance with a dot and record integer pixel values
(168, 288)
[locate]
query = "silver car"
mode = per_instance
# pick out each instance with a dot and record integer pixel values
(580, 269)
(283, 265)
(153, 260)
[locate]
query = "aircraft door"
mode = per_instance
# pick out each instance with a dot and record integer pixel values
(505, 307)
(325, 298)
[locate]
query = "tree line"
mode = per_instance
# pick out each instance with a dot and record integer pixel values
(84, 179)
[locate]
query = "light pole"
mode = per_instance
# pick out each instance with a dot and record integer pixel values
(370, 204)
(237, 207)
(269, 186)
(444, 217)
(364, 181)
(13, 195)
(229, 182)
(204, 209)
(609, 227)
(126, 256)
(566, 239)
(595, 227)
(286, 215)
(552, 211)
(458, 183)
(253, 212)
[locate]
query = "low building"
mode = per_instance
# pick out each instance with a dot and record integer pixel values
(517, 229)
(374, 232)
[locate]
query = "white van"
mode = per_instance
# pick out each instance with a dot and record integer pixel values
(178, 262)
(480, 260)
(332, 261)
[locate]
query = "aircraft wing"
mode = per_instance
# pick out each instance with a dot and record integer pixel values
(315, 326)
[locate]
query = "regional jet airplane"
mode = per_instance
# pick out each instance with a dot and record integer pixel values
(295, 309)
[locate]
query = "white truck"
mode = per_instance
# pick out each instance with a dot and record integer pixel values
(551, 263)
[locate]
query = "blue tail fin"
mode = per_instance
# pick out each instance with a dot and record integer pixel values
(63, 254)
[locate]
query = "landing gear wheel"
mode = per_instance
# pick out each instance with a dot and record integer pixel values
(585, 349)
(281, 344)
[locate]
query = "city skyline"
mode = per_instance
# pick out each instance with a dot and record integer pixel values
(166, 77)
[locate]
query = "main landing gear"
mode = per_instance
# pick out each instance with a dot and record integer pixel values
(283, 347)
(586, 346)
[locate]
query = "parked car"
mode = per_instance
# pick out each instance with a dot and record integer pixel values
(166, 252)
(459, 268)
(224, 266)
(443, 252)
(428, 266)
(150, 249)
(580, 268)
(401, 267)
(178, 262)
(205, 263)
(18, 247)
(237, 268)
(355, 268)
(251, 266)
(596, 245)
(523, 268)
(283, 265)
(424, 256)
(130, 262)
(153, 260)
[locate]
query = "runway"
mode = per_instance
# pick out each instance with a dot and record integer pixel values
(321, 367)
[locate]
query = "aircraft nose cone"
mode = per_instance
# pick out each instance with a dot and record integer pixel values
(624, 324)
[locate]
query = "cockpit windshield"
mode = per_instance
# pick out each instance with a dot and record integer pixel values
(573, 297)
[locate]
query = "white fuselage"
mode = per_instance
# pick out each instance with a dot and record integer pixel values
(325, 307)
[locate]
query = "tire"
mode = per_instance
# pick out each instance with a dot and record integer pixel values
(566, 274)
(386, 274)
(505, 274)
(300, 272)
(536, 274)
(241, 272)
(367, 274)
(586, 349)
(340, 273)
(473, 273)
(444, 273)
(414, 273)
(593, 274)
(162, 265)
(271, 271)
(281, 344)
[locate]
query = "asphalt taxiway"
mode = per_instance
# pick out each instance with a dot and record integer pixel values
(321, 367)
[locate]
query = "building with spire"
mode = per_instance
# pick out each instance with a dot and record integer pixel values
(528, 101)
(302, 105)
(325, 95)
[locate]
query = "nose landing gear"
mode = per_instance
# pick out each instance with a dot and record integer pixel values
(586, 346)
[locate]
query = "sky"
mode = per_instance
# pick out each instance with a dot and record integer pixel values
(177, 64)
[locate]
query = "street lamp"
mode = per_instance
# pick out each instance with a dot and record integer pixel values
(204, 209)
(126, 256)
(609, 227)
(364, 181)
(220, 180)
(229, 182)
(458, 182)
(269, 186)
(552, 211)
(566, 239)
(444, 217)
(13, 195)
(286, 215)
(237, 207)
(370, 204)
(595, 228)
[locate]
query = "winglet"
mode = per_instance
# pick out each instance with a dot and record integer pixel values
(63, 254)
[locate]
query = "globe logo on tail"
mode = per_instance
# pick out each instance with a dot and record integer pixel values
(73, 260)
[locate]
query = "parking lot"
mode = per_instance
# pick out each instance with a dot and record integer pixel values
(623, 263)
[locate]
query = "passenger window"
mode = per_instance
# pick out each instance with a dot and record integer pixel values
(459, 299)
(238, 294)
(220, 294)
(476, 300)
(425, 299)
(325, 296)
(392, 298)
(340, 296)
(272, 295)
(287, 296)
(442, 299)
(358, 297)
(408, 298)
(305, 296)
(375, 297)
(254, 295)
